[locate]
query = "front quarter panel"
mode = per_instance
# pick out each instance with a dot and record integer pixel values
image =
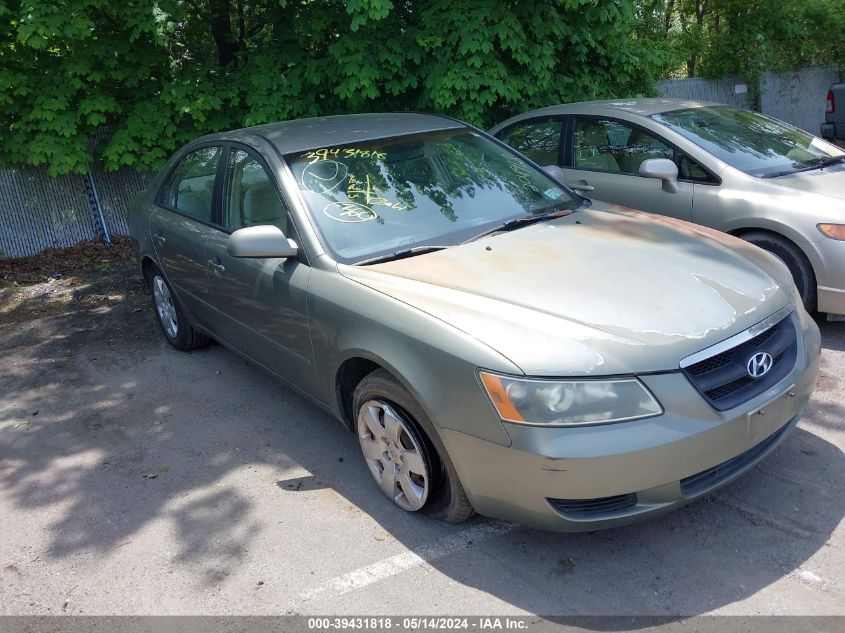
(434, 361)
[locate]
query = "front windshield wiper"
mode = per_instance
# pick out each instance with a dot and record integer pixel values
(819, 164)
(509, 225)
(407, 252)
(832, 160)
(519, 222)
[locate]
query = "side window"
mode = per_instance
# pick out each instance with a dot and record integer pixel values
(190, 186)
(538, 141)
(614, 146)
(251, 197)
(688, 169)
(167, 193)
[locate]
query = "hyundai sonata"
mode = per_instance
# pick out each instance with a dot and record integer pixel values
(496, 342)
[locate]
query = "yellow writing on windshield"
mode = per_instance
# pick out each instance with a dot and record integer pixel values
(369, 194)
(327, 153)
(350, 212)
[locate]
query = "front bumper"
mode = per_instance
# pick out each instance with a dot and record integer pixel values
(594, 477)
(828, 260)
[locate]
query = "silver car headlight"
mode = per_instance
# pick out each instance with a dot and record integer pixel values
(569, 402)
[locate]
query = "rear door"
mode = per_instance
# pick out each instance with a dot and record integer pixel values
(261, 307)
(602, 160)
(181, 224)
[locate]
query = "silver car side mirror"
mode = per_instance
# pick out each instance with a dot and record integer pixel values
(661, 169)
(260, 241)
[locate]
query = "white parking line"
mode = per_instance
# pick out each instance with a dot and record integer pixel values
(397, 564)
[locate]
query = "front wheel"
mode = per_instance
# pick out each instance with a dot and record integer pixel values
(795, 260)
(401, 457)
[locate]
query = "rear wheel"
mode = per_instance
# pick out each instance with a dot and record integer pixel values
(401, 456)
(795, 260)
(170, 316)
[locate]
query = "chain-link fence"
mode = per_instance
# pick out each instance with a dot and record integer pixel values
(38, 211)
(730, 90)
(797, 97)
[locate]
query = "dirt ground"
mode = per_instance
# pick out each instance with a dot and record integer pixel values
(138, 480)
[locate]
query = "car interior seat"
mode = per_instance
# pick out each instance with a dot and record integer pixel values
(195, 195)
(641, 147)
(594, 150)
(261, 205)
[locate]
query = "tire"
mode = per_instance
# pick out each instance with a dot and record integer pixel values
(380, 401)
(170, 315)
(795, 260)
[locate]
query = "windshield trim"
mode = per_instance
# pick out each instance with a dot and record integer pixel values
(459, 237)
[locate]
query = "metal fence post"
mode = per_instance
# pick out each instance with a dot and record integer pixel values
(95, 206)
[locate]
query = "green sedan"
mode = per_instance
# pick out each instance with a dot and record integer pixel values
(498, 343)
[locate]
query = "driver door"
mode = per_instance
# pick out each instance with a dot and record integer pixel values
(260, 302)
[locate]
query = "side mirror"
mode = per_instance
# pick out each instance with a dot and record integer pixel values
(260, 241)
(555, 172)
(662, 169)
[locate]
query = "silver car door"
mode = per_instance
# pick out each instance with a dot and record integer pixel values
(604, 156)
(261, 307)
(180, 225)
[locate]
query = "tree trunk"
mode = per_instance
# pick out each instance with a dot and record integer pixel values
(221, 31)
(241, 26)
(667, 15)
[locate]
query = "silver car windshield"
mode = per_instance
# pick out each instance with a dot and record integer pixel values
(749, 141)
(409, 192)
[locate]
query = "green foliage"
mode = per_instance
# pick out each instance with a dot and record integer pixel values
(157, 73)
(715, 38)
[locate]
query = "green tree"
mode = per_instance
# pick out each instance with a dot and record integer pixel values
(157, 73)
(715, 38)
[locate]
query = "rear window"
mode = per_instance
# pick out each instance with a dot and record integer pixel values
(190, 186)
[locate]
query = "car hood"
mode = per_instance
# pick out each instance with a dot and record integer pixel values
(602, 291)
(829, 181)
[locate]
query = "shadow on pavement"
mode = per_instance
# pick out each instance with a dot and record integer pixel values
(104, 423)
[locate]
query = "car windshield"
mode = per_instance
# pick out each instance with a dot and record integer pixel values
(749, 141)
(423, 190)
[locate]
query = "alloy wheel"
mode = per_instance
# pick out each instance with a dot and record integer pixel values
(164, 306)
(393, 454)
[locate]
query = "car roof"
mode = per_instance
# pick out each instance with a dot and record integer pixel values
(304, 134)
(607, 107)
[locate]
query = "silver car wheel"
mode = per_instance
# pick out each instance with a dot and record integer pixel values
(393, 455)
(164, 306)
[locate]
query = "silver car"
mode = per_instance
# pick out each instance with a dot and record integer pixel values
(496, 342)
(729, 169)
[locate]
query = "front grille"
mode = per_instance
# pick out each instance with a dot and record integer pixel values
(708, 479)
(590, 508)
(723, 379)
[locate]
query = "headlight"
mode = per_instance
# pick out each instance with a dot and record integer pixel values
(833, 231)
(569, 402)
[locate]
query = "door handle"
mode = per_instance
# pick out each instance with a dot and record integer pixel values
(582, 187)
(216, 265)
(158, 237)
